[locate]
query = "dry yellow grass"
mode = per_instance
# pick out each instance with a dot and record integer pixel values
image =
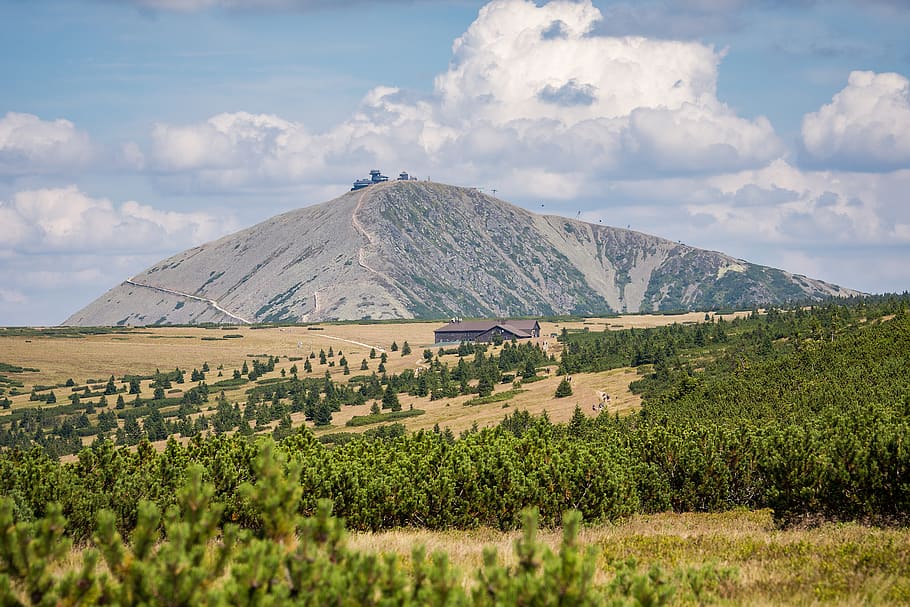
(142, 351)
(835, 564)
(634, 321)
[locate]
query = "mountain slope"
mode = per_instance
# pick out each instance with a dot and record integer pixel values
(419, 249)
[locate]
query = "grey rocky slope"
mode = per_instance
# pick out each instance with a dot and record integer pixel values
(427, 250)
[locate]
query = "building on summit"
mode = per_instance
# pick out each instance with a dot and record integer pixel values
(484, 330)
(376, 176)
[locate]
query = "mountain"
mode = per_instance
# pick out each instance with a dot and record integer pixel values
(410, 249)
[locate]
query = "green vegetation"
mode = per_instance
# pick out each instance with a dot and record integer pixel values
(8, 368)
(564, 388)
(230, 383)
(497, 397)
(185, 556)
(803, 412)
(375, 418)
(814, 428)
(159, 410)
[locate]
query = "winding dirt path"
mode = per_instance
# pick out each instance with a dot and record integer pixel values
(371, 240)
(351, 341)
(210, 302)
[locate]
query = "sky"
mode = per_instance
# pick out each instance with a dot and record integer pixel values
(777, 132)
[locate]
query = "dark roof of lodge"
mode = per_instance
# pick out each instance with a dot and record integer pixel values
(521, 328)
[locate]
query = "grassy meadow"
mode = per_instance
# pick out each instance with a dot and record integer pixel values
(61, 355)
(729, 558)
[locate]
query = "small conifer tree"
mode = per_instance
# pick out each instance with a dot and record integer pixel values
(111, 387)
(390, 399)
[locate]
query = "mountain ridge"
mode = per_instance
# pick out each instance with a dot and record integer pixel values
(409, 249)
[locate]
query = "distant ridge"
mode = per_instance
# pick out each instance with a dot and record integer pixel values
(415, 249)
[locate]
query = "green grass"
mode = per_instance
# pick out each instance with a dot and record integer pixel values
(8, 368)
(366, 420)
(496, 397)
(230, 383)
(271, 380)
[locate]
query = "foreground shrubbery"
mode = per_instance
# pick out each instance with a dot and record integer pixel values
(186, 558)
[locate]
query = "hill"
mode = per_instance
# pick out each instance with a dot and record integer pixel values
(427, 250)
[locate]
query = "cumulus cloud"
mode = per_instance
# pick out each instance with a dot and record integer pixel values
(30, 145)
(65, 220)
(506, 57)
(528, 90)
(235, 150)
(865, 127)
(782, 204)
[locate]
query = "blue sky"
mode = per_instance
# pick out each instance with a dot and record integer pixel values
(778, 132)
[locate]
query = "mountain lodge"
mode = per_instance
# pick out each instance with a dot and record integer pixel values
(484, 330)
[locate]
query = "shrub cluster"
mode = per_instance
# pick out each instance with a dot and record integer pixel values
(184, 556)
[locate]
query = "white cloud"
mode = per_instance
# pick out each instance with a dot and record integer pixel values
(865, 127)
(30, 145)
(505, 59)
(778, 204)
(528, 89)
(235, 150)
(67, 220)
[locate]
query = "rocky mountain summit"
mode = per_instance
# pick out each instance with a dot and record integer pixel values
(409, 249)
